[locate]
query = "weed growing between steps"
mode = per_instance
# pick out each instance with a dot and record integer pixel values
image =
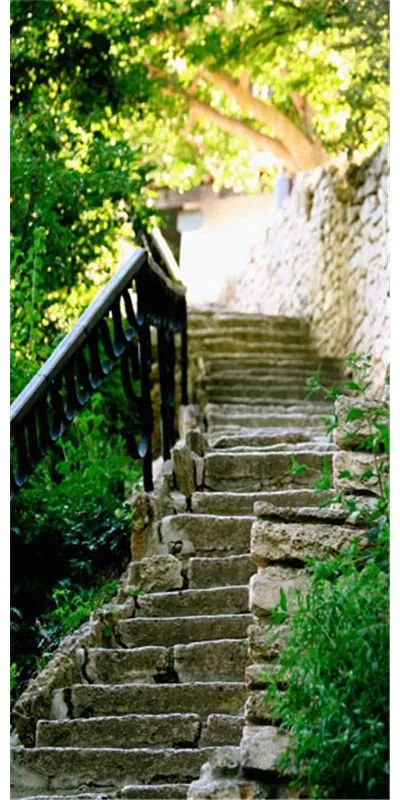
(335, 663)
(70, 532)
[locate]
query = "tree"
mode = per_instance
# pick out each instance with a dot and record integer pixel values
(113, 98)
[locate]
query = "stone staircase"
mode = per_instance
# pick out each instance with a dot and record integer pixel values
(161, 690)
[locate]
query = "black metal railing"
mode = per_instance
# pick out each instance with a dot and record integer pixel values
(116, 328)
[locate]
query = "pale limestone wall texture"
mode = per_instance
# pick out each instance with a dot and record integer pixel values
(325, 258)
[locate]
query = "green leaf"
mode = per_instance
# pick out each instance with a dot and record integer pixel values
(353, 386)
(282, 600)
(355, 413)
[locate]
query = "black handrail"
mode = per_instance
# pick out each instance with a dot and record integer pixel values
(111, 330)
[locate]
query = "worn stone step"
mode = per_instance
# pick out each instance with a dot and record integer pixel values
(204, 573)
(270, 438)
(160, 791)
(256, 471)
(255, 383)
(199, 697)
(226, 319)
(107, 665)
(243, 503)
(68, 796)
(274, 540)
(182, 630)
(194, 602)
(306, 408)
(254, 373)
(204, 661)
(248, 333)
(229, 422)
(130, 730)
(215, 363)
(223, 345)
(235, 395)
(311, 445)
(187, 535)
(68, 768)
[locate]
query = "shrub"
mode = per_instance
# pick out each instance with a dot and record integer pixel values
(336, 668)
(70, 526)
(335, 664)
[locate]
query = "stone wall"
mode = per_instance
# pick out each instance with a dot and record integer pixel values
(325, 258)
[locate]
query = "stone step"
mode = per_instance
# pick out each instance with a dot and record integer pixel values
(68, 796)
(187, 535)
(315, 446)
(255, 381)
(169, 631)
(257, 471)
(130, 730)
(227, 319)
(271, 438)
(225, 420)
(194, 602)
(307, 408)
(269, 347)
(253, 373)
(215, 363)
(243, 503)
(119, 665)
(159, 791)
(143, 730)
(277, 390)
(206, 661)
(247, 333)
(236, 395)
(201, 698)
(204, 573)
(49, 768)
(278, 541)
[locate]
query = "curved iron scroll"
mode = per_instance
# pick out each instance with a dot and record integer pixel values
(110, 331)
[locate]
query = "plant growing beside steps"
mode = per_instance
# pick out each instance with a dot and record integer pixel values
(137, 715)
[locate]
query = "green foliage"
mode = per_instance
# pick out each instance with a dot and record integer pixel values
(336, 668)
(335, 664)
(70, 523)
(71, 607)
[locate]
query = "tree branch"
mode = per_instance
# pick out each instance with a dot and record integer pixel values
(199, 110)
(305, 153)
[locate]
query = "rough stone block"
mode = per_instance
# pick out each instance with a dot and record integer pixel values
(266, 585)
(202, 661)
(258, 708)
(129, 730)
(183, 469)
(225, 759)
(198, 470)
(208, 787)
(188, 534)
(258, 676)
(262, 746)
(194, 602)
(222, 729)
(156, 574)
(116, 666)
(352, 472)
(190, 417)
(279, 541)
(352, 433)
(196, 441)
(144, 514)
